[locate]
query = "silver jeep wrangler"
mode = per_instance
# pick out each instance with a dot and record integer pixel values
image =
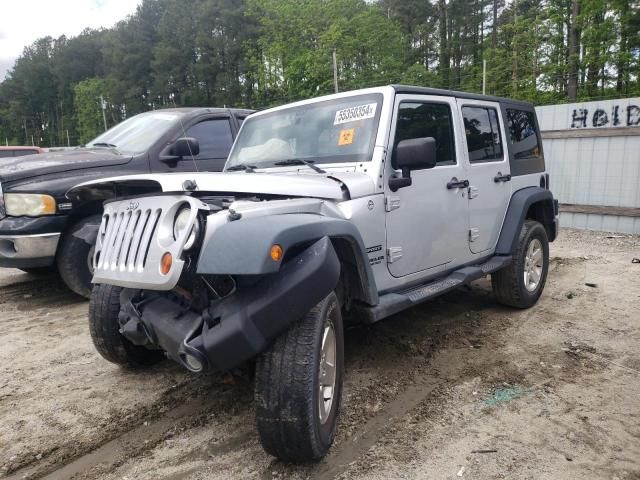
(350, 207)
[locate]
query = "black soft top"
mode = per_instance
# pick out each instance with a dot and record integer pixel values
(452, 93)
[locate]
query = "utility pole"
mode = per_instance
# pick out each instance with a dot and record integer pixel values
(335, 71)
(33, 144)
(68, 141)
(24, 124)
(6, 141)
(484, 77)
(103, 105)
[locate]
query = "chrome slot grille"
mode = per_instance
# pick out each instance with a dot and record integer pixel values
(127, 239)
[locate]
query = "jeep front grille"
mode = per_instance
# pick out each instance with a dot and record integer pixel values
(127, 238)
(133, 237)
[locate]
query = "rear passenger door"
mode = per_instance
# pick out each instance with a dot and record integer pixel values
(488, 172)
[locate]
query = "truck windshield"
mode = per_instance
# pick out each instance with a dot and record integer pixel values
(136, 134)
(339, 130)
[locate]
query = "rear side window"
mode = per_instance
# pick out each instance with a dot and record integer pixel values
(483, 134)
(420, 120)
(214, 137)
(523, 133)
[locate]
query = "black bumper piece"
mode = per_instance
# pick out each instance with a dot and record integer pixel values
(236, 328)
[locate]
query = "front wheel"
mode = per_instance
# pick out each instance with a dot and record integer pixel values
(299, 386)
(104, 328)
(75, 258)
(520, 284)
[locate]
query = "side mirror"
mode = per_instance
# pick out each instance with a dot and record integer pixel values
(412, 154)
(186, 147)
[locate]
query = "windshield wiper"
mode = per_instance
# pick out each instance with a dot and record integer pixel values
(301, 161)
(246, 168)
(103, 144)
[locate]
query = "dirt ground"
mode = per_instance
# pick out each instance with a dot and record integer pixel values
(459, 387)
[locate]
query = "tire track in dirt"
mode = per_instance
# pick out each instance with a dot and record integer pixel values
(149, 431)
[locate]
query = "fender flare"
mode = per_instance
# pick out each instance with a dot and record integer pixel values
(243, 247)
(519, 205)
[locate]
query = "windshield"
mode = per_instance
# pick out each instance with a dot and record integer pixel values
(136, 134)
(332, 131)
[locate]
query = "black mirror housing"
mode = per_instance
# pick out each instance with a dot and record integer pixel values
(186, 147)
(416, 153)
(412, 154)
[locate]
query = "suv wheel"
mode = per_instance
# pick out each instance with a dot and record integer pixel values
(75, 258)
(521, 283)
(299, 386)
(104, 308)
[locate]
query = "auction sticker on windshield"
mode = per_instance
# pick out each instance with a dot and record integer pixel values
(352, 114)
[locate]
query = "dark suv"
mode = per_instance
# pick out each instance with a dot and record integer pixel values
(41, 228)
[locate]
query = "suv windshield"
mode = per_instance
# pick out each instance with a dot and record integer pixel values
(136, 134)
(332, 131)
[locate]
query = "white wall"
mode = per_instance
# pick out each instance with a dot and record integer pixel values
(595, 170)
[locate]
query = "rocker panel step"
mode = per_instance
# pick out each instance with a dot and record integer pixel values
(392, 303)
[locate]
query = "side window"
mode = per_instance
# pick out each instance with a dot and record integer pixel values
(523, 133)
(418, 120)
(6, 153)
(483, 134)
(214, 136)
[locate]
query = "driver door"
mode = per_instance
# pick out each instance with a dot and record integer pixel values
(427, 221)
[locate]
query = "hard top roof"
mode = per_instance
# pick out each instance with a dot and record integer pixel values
(202, 110)
(453, 93)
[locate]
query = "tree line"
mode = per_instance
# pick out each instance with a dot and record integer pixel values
(258, 53)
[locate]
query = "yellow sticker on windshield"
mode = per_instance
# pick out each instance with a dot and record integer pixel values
(346, 137)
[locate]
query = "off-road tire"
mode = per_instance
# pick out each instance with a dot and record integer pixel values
(73, 259)
(508, 283)
(104, 308)
(287, 387)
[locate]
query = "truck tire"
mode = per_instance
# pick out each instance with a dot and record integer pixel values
(75, 259)
(104, 328)
(297, 394)
(521, 283)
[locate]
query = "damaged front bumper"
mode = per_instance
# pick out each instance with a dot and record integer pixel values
(236, 328)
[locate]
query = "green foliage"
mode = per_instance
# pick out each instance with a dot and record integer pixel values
(87, 107)
(257, 53)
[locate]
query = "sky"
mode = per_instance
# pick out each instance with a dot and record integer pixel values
(24, 21)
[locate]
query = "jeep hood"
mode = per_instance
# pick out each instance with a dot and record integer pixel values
(334, 185)
(20, 168)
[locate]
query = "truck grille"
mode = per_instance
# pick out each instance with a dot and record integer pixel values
(133, 237)
(127, 239)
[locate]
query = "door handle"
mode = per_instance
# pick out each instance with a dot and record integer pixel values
(455, 183)
(502, 178)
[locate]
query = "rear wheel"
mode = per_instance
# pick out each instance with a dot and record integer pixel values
(104, 308)
(75, 258)
(299, 386)
(521, 283)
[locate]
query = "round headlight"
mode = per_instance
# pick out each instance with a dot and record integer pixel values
(181, 223)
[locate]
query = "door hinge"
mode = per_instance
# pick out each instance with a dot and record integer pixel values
(394, 254)
(474, 233)
(473, 192)
(391, 203)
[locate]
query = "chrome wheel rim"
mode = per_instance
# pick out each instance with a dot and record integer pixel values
(533, 265)
(327, 376)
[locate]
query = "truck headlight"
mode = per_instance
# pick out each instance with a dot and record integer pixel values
(181, 223)
(29, 204)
